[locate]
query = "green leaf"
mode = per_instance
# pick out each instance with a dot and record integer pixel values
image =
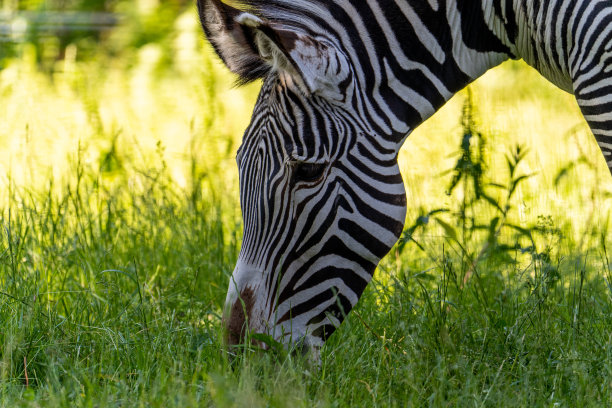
(493, 202)
(450, 231)
(269, 341)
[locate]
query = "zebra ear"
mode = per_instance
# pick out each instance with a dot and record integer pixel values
(316, 66)
(252, 47)
(232, 40)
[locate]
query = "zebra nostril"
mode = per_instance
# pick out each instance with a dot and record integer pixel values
(237, 323)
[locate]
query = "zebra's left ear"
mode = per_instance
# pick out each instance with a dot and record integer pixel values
(251, 47)
(316, 65)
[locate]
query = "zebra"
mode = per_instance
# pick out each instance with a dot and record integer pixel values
(344, 84)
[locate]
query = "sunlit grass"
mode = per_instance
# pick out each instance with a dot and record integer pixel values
(120, 226)
(515, 106)
(89, 109)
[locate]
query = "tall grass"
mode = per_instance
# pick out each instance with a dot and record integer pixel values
(120, 227)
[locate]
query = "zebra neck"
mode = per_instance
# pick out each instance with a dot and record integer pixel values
(431, 50)
(428, 50)
(536, 35)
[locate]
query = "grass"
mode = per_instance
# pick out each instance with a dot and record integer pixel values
(120, 227)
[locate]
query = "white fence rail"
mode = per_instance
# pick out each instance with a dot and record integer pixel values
(16, 26)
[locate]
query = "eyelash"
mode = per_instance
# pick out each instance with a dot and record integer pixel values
(308, 172)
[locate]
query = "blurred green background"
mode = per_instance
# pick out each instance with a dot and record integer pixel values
(114, 81)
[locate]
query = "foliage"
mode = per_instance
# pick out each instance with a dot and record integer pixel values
(87, 29)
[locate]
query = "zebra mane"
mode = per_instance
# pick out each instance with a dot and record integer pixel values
(266, 9)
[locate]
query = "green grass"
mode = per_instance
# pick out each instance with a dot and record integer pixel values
(120, 227)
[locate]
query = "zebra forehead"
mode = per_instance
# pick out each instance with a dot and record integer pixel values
(287, 121)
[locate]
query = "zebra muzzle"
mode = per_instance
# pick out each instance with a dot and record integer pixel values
(238, 317)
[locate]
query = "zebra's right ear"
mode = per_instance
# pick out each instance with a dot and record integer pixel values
(232, 34)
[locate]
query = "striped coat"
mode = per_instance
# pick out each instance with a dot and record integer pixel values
(344, 84)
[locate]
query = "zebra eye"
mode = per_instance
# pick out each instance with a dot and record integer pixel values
(308, 172)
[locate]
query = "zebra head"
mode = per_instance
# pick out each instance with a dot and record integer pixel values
(322, 198)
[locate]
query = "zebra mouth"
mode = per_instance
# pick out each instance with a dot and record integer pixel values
(245, 328)
(244, 322)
